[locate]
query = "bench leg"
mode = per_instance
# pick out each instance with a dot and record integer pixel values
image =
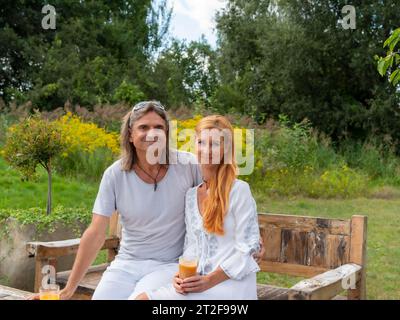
(360, 292)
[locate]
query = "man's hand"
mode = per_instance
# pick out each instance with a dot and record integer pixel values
(34, 296)
(64, 295)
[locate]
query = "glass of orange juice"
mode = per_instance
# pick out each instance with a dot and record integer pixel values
(50, 292)
(187, 266)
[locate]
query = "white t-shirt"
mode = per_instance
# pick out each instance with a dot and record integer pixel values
(153, 222)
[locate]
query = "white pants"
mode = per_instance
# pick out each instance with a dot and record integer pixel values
(126, 279)
(244, 289)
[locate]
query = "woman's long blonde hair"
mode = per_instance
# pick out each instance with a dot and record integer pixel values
(217, 203)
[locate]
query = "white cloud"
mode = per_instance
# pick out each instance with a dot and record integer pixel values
(191, 18)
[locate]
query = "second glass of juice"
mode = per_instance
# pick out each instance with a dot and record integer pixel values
(187, 266)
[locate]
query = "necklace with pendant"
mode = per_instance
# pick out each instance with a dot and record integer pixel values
(154, 179)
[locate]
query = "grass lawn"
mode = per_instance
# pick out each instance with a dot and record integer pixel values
(15, 193)
(383, 266)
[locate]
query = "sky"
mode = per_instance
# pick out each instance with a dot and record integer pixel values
(192, 18)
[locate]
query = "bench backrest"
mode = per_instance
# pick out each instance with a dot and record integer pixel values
(302, 246)
(307, 246)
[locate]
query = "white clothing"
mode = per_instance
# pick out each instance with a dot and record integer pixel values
(153, 225)
(232, 252)
(125, 279)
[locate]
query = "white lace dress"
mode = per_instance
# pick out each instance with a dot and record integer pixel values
(233, 251)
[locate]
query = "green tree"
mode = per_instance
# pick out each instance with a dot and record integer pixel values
(186, 74)
(294, 57)
(128, 93)
(34, 142)
(391, 62)
(95, 46)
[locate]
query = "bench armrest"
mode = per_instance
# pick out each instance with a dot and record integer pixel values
(55, 249)
(327, 285)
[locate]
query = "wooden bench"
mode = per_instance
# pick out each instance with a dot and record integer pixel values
(8, 293)
(329, 253)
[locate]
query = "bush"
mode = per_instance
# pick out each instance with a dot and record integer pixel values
(4, 124)
(128, 93)
(90, 149)
(339, 182)
(38, 217)
(11, 115)
(293, 147)
(185, 142)
(296, 160)
(293, 159)
(85, 136)
(86, 165)
(378, 161)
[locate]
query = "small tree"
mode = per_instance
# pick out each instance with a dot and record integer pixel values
(392, 60)
(32, 142)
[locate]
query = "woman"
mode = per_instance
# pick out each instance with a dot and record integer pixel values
(221, 224)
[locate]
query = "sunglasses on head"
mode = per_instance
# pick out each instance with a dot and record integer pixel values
(143, 104)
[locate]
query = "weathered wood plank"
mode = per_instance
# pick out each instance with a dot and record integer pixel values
(89, 282)
(64, 275)
(358, 254)
(56, 249)
(306, 224)
(325, 286)
(39, 264)
(8, 293)
(113, 232)
(31, 247)
(294, 247)
(338, 250)
(291, 269)
(317, 249)
(272, 242)
(113, 226)
(268, 292)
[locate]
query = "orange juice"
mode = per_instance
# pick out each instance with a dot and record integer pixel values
(187, 268)
(49, 292)
(49, 296)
